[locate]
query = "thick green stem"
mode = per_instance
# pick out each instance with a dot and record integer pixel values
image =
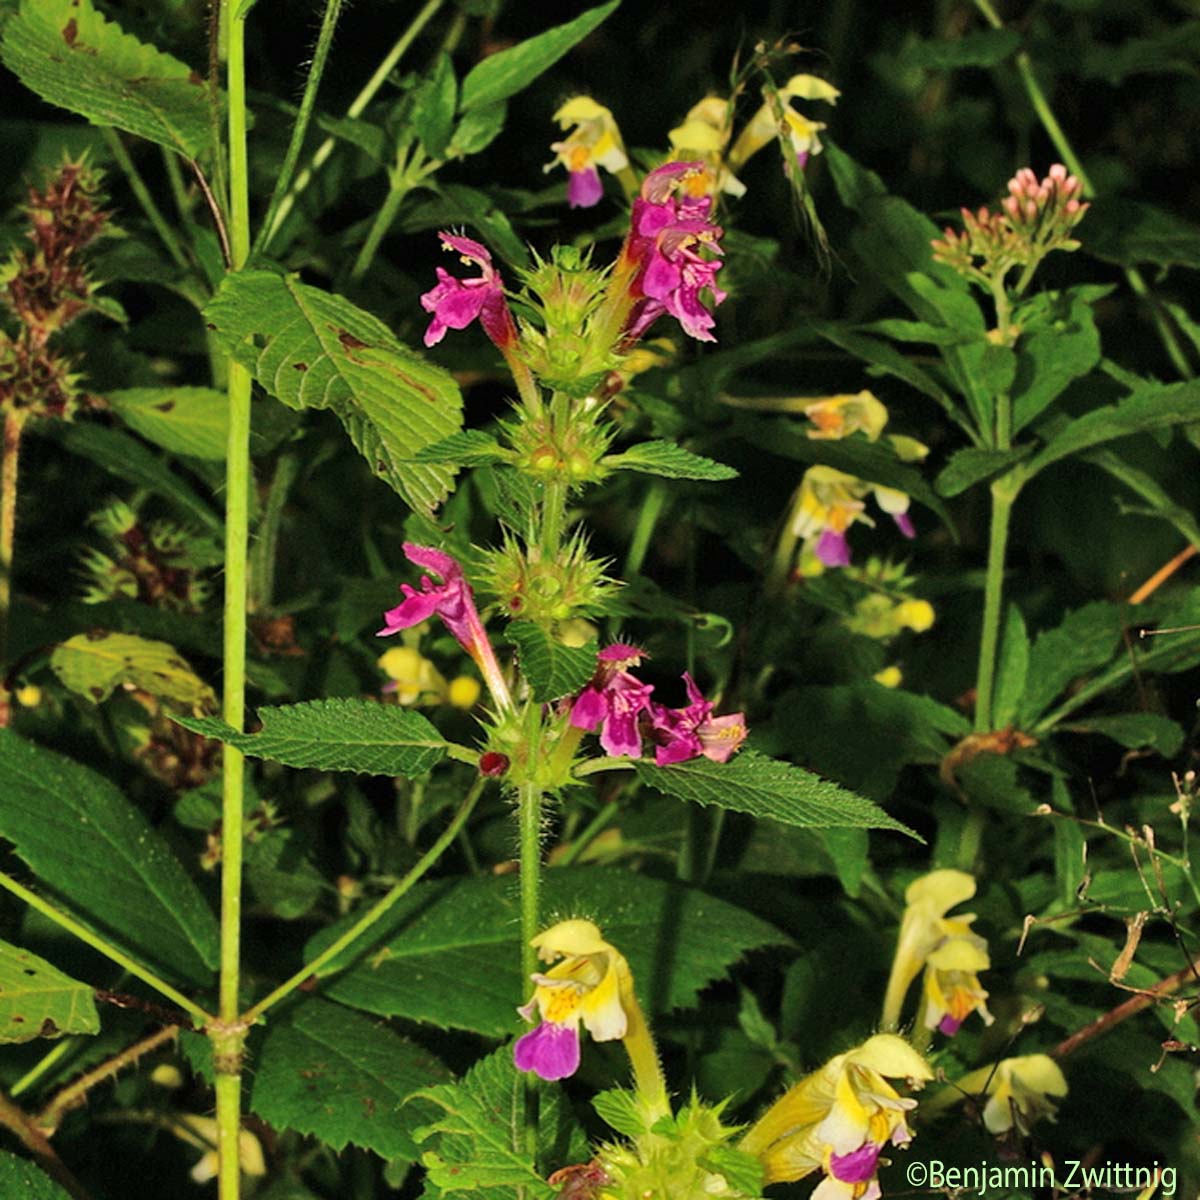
(1003, 494)
(84, 934)
(359, 104)
(14, 423)
(1054, 131)
(554, 509)
(228, 1034)
(333, 9)
(165, 233)
(529, 818)
(376, 912)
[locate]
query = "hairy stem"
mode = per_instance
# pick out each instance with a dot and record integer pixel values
(85, 935)
(166, 234)
(14, 423)
(228, 1034)
(529, 817)
(1003, 495)
(333, 9)
(376, 912)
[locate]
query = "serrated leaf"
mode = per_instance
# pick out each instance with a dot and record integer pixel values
(70, 55)
(1148, 407)
(973, 465)
(471, 448)
(1084, 641)
(1135, 731)
(184, 420)
(619, 1109)
(765, 787)
(510, 71)
(84, 840)
(983, 48)
(552, 669)
(333, 1073)
(21, 1180)
(312, 349)
(433, 107)
(1127, 231)
(669, 460)
(477, 1142)
(38, 1000)
(445, 954)
(92, 665)
(336, 735)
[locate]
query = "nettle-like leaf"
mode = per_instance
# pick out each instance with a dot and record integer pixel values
(1086, 639)
(336, 735)
(38, 1000)
(477, 1143)
(471, 448)
(312, 349)
(510, 71)
(331, 1072)
(552, 669)
(70, 55)
(92, 665)
(1135, 731)
(85, 841)
(19, 1177)
(184, 420)
(446, 955)
(973, 465)
(765, 787)
(669, 460)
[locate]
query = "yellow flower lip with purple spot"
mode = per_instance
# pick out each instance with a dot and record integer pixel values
(594, 141)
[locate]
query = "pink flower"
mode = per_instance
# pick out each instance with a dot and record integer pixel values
(551, 1050)
(455, 303)
(684, 733)
(584, 188)
(614, 700)
(453, 601)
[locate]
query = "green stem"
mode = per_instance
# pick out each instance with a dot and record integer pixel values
(44, 1064)
(1004, 492)
(376, 912)
(14, 424)
(358, 105)
(591, 831)
(529, 818)
(165, 233)
(554, 508)
(652, 506)
(333, 9)
(85, 935)
(380, 226)
(1045, 114)
(228, 1035)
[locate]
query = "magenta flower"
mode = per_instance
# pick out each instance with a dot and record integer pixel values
(584, 188)
(453, 601)
(551, 1050)
(614, 700)
(455, 303)
(691, 731)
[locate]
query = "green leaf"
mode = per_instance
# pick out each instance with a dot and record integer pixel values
(477, 130)
(620, 1110)
(669, 460)
(973, 465)
(1012, 667)
(510, 71)
(552, 669)
(1135, 731)
(333, 1073)
(1149, 406)
(1148, 488)
(312, 349)
(184, 420)
(38, 1000)
(1061, 345)
(92, 665)
(1130, 232)
(443, 955)
(983, 48)
(477, 1143)
(1084, 641)
(471, 448)
(433, 108)
(70, 55)
(127, 457)
(336, 735)
(21, 1180)
(765, 787)
(85, 841)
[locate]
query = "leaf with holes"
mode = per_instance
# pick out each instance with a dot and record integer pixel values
(38, 1000)
(86, 842)
(342, 1077)
(70, 55)
(444, 953)
(336, 735)
(92, 665)
(312, 349)
(552, 669)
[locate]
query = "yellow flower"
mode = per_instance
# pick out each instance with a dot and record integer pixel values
(1019, 1091)
(463, 691)
(916, 615)
(595, 141)
(945, 948)
(828, 499)
(840, 416)
(889, 677)
(802, 133)
(704, 135)
(839, 1119)
(413, 678)
(202, 1132)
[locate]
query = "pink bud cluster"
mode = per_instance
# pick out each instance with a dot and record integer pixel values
(1035, 218)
